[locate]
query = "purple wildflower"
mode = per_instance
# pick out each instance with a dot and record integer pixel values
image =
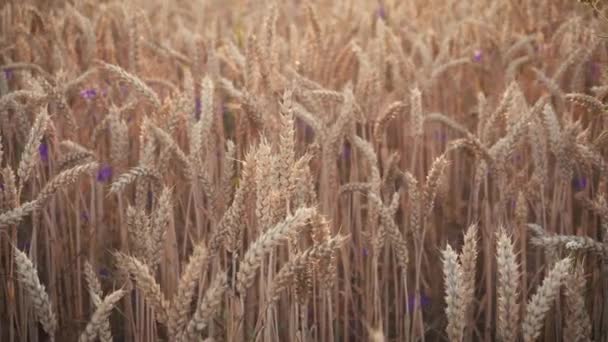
(88, 94)
(580, 183)
(477, 55)
(8, 74)
(517, 159)
(104, 174)
(198, 105)
(150, 199)
(365, 252)
(440, 136)
(104, 273)
(346, 152)
(308, 131)
(1, 186)
(43, 149)
(425, 301)
(24, 247)
(226, 114)
(595, 71)
(84, 216)
(381, 12)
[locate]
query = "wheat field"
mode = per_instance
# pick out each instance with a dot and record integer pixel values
(303, 170)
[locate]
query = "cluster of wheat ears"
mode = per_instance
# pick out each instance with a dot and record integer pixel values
(303, 170)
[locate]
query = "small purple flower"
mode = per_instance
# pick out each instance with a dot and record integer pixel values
(517, 159)
(84, 216)
(595, 71)
(365, 252)
(425, 301)
(227, 115)
(104, 273)
(440, 136)
(43, 149)
(346, 152)
(88, 94)
(150, 199)
(1, 186)
(310, 133)
(198, 105)
(8, 74)
(104, 174)
(477, 55)
(24, 247)
(580, 183)
(381, 12)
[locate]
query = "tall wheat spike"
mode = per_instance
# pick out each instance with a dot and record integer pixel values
(28, 277)
(507, 289)
(541, 301)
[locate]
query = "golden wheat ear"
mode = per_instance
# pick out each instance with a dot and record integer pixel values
(508, 311)
(577, 322)
(28, 278)
(145, 282)
(540, 303)
(455, 308)
(98, 325)
(270, 239)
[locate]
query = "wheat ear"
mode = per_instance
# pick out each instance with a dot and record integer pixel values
(98, 322)
(468, 260)
(139, 85)
(507, 292)
(145, 282)
(28, 277)
(455, 309)
(131, 175)
(270, 239)
(288, 272)
(180, 306)
(541, 301)
(28, 156)
(105, 334)
(205, 311)
(578, 325)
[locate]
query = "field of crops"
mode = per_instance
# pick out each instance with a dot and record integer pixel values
(303, 170)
